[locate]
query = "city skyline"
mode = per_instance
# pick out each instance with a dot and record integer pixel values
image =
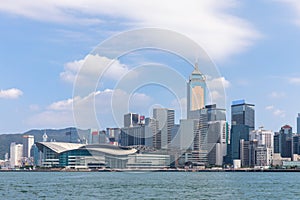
(42, 50)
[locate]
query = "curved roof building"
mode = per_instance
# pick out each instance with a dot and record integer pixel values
(72, 155)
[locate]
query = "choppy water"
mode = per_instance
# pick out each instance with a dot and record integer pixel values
(158, 185)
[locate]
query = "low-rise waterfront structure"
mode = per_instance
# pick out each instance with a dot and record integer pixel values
(76, 156)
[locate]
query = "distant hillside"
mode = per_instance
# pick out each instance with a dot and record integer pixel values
(59, 135)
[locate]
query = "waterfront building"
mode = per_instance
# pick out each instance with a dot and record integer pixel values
(242, 122)
(184, 139)
(137, 135)
(16, 154)
(156, 134)
(28, 141)
(165, 121)
(264, 148)
(81, 156)
(217, 142)
(283, 142)
(148, 161)
(196, 91)
(296, 145)
(114, 135)
(131, 119)
(238, 132)
(298, 123)
(243, 113)
(97, 137)
(210, 131)
(264, 137)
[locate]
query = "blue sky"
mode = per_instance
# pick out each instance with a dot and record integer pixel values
(254, 44)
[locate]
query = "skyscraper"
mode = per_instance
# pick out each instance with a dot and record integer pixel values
(131, 119)
(283, 142)
(196, 91)
(243, 114)
(28, 141)
(242, 122)
(16, 154)
(165, 119)
(298, 123)
(209, 140)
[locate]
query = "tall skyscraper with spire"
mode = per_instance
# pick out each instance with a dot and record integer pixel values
(196, 91)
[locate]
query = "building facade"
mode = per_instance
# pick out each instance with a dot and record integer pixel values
(196, 91)
(96, 156)
(298, 123)
(28, 142)
(137, 135)
(242, 122)
(131, 119)
(283, 141)
(166, 120)
(16, 155)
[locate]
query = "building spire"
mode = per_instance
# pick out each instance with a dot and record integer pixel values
(196, 69)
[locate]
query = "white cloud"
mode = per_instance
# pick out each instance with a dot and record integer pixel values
(12, 93)
(295, 7)
(277, 95)
(294, 80)
(209, 22)
(218, 83)
(93, 64)
(34, 107)
(97, 104)
(215, 95)
(275, 111)
(61, 105)
(271, 107)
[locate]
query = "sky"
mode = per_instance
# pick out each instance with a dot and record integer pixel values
(254, 46)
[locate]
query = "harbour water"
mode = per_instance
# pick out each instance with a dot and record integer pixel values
(155, 185)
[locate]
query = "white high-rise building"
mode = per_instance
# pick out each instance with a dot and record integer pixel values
(165, 119)
(16, 154)
(217, 139)
(28, 142)
(265, 146)
(263, 137)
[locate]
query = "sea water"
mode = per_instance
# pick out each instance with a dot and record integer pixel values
(155, 185)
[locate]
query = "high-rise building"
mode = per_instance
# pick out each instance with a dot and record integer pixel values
(28, 142)
(261, 154)
(156, 135)
(114, 135)
(196, 91)
(242, 122)
(283, 142)
(131, 119)
(209, 143)
(298, 123)
(16, 154)
(243, 114)
(165, 119)
(97, 137)
(217, 142)
(296, 144)
(136, 136)
(238, 132)
(263, 137)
